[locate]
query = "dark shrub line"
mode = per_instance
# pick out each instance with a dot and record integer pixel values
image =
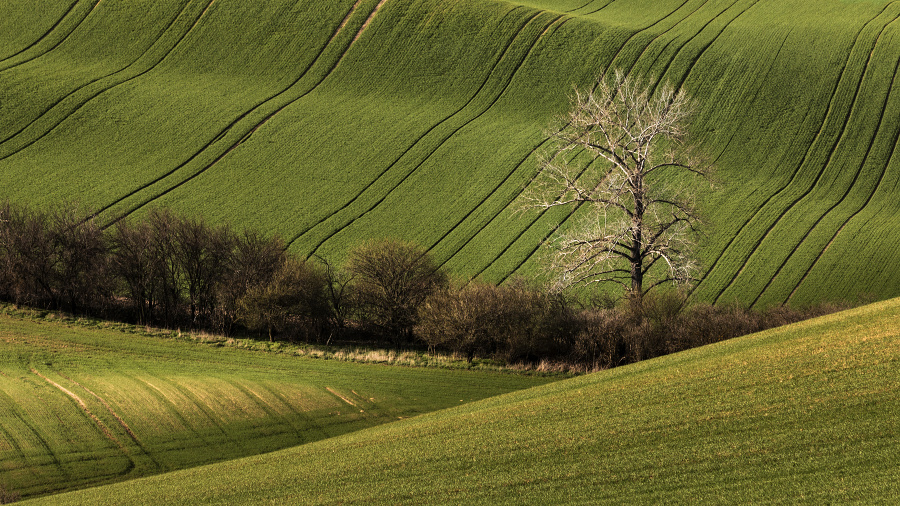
(175, 271)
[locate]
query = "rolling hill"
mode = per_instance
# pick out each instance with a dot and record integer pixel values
(83, 405)
(805, 413)
(332, 122)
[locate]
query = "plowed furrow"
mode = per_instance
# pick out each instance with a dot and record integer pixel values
(841, 200)
(422, 139)
(835, 141)
(230, 137)
(505, 86)
(58, 112)
(44, 35)
(58, 34)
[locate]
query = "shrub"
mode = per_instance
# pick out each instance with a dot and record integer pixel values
(392, 279)
(296, 291)
(513, 322)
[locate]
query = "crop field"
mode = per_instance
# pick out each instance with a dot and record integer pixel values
(805, 413)
(333, 122)
(82, 406)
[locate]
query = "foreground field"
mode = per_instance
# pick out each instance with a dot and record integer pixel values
(330, 122)
(81, 406)
(806, 413)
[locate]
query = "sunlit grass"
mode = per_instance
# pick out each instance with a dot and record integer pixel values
(805, 413)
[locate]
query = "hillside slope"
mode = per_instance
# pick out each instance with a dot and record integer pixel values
(81, 406)
(805, 413)
(331, 122)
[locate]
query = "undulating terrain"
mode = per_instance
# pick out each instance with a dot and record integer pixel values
(332, 122)
(802, 414)
(85, 405)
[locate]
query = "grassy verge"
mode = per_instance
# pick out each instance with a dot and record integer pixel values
(343, 353)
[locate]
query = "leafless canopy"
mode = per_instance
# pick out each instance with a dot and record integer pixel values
(621, 160)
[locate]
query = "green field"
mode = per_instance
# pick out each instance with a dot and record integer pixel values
(82, 405)
(806, 413)
(333, 122)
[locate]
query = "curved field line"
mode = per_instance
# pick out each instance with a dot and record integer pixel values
(595, 11)
(582, 6)
(588, 3)
(524, 159)
(709, 44)
(230, 126)
(57, 44)
(17, 411)
(440, 144)
(310, 421)
(831, 153)
(531, 153)
(841, 228)
(118, 419)
(161, 396)
(422, 136)
(693, 64)
(499, 185)
(799, 165)
(44, 35)
(97, 422)
(261, 403)
(87, 99)
(340, 59)
(659, 35)
(204, 408)
(847, 192)
(543, 212)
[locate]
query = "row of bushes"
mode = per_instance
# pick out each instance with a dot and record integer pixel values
(172, 270)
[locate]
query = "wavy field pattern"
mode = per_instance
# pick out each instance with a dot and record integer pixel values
(333, 122)
(83, 406)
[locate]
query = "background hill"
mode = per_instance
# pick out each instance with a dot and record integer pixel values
(804, 413)
(331, 122)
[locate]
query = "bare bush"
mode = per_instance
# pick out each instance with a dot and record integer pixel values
(512, 322)
(391, 280)
(297, 290)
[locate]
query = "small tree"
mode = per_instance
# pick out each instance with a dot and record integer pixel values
(133, 263)
(81, 257)
(296, 290)
(255, 262)
(621, 158)
(392, 279)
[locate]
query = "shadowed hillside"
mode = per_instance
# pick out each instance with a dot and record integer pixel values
(332, 122)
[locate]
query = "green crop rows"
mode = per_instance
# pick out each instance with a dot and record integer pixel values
(804, 413)
(333, 122)
(81, 406)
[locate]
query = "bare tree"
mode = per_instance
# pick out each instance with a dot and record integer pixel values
(297, 290)
(392, 279)
(620, 158)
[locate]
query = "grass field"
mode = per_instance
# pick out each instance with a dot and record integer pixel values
(806, 413)
(333, 122)
(82, 405)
